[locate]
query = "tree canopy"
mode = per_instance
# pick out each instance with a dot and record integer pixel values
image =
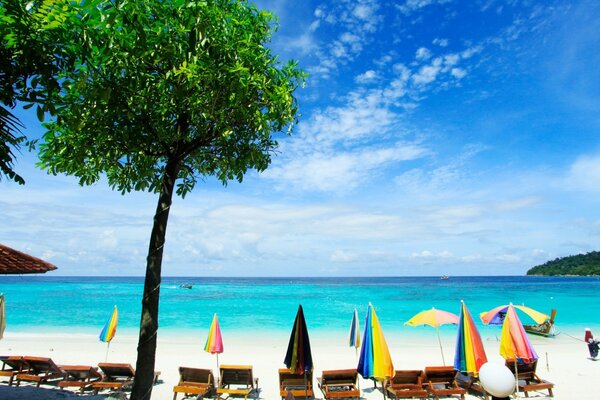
(155, 96)
(37, 44)
(581, 264)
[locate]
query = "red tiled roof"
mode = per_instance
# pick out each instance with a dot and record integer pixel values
(15, 262)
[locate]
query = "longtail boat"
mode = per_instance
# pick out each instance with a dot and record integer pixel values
(545, 329)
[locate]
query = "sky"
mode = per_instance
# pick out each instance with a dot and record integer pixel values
(436, 137)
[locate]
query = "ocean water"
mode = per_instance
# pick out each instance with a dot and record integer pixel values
(46, 304)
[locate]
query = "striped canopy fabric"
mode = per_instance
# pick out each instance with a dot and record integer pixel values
(354, 334)
(375, 361)
(214, 342)
(470, 354)
(514, 343)
(110, 328)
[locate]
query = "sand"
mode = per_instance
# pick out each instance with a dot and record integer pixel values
(563, 360)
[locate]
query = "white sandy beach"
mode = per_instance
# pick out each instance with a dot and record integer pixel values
(563, 360)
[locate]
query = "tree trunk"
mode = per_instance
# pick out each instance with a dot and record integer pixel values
(146, 351)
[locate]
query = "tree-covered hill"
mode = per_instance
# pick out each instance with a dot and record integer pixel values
(581, 264)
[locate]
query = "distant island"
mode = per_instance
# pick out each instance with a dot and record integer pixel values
(580, 265)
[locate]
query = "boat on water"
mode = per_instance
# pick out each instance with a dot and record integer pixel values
(185, 286)
(444, 277)
(545, 329)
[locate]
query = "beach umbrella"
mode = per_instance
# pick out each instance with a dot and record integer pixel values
(214, 342)
(514, 343)
(109, 330)
(496, 315)
(375, 361)
(2, 316)
(435, 318)
(354, 334)
(298, 357)
(470, 355)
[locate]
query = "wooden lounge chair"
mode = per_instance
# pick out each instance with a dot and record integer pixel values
(471, 385)
(339, 384)
(41, 370)
(79, 376)
(194, 381)
(115, 376)
(441, 381)
(237, 380)
(299, 385)
(406, 384)
(11, 366)
(529, 381)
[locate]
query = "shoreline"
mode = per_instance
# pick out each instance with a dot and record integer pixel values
(563, 360)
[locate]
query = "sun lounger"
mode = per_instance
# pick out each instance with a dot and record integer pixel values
(472, 385)
(441, 381)
(79, 376)
(114, 376)
(194, 381)
(237, 380)
(529, 381)
(339, 384)
(299, 385)
(406, 384)
(41, 370)
(11, 366)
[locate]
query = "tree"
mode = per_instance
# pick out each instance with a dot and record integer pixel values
(36, 45)
(168, 92)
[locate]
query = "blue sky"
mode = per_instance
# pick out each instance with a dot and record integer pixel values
(436, 137)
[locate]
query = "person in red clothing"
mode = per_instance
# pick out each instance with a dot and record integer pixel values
(593, 345)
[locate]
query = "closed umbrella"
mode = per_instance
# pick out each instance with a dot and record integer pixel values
(109, 330)
(470, 354)
(354, 334)
(435, 318)
(214, 342)
(298, 357)
(2, 316)
(375, 361)
(514, 343)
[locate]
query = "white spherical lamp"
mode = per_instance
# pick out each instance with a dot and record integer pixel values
(497, 379)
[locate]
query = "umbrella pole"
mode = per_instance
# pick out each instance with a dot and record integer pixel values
(516, 379)
(437, 328)
(107, 347)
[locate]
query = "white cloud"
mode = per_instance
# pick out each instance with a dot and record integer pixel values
(458, 73)
(342, 256)
(584, 174)
(426, 74)
(411, 6)
(367, 77)
(423, 53)
(440, 42)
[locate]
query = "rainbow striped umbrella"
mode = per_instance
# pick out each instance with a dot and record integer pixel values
(470, 355)
(514, 343)
(214, 342)
(375, 361)
(109, 330)
(496, 315)
(354, 334)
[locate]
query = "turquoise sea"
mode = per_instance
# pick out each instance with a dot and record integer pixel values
(46, 304)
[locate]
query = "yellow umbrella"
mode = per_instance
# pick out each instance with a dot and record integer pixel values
(434, 318)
